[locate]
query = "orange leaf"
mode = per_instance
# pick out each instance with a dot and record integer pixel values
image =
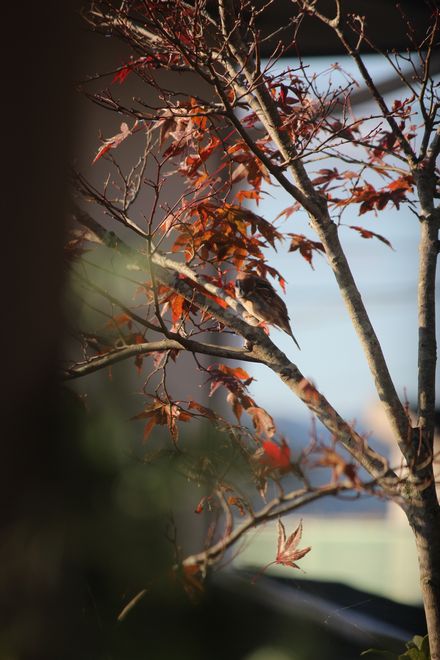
(176, 303)
(203, 410)
(119, 320)
(237, 408)
(238, 372)
(148, 428)
(263, 422)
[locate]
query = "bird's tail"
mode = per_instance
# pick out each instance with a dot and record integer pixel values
(291, 334)
(285, 325)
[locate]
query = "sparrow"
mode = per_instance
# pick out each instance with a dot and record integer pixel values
(262, 302)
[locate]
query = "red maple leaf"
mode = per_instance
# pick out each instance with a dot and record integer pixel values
(276, 456)
(287, 553)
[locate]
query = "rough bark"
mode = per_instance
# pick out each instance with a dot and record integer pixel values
(424, 518)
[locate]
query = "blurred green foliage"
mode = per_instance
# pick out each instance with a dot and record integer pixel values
(416, 649)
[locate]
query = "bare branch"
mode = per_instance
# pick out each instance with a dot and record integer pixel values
(354, 53)
(276, 508)
(263, 104)
(98, 362)
(267, 353)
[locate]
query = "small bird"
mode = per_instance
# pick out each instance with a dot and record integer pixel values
(262, 302)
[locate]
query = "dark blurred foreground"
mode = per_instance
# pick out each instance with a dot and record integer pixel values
(90, 532)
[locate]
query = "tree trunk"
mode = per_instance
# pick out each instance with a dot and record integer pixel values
(424, 518)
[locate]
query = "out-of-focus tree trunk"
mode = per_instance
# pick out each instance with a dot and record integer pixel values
(36, 138)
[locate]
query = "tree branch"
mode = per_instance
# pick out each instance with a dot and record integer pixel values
(326, 229)
(354, 54)
(428, 254)
(277, 507)
(99, 362)
(264, 351)
(111, 240)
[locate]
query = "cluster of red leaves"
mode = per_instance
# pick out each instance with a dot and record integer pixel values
(168, 413)
(300, 117)
(302, 123)
(192, 163)
(371, 199)
(248, 166)
(224, 232)
(163, 413)
(236, 381)
(186, 127)
(388, 142)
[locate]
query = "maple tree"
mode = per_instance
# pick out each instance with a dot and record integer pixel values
(179, 256)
